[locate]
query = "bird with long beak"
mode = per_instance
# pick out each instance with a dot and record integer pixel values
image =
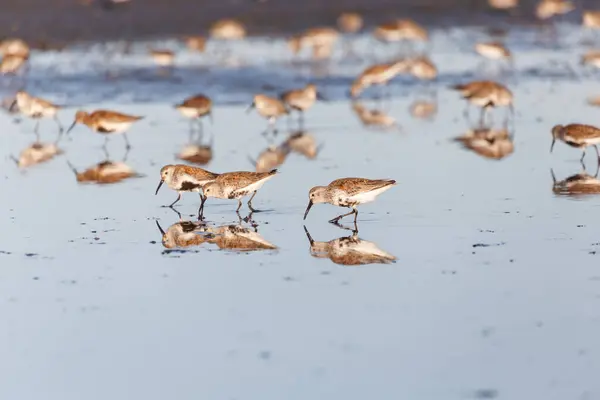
(301, 100)
(184, 178)
(348, 192)
(269, 108)
(577, 135)
(106, 122)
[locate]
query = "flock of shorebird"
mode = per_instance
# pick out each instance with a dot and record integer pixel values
(347, 192)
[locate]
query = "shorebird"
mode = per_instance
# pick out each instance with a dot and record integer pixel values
(577, 135)
(404, 31)
(105, 172)
(106, 122)
(546, 9)
(236, 185)
(196, 153)
(36, 153)
(163, 58)
(36, 108)
(269, 108)
(196, 43)
(349, 250)
(184, 178)
(422, 68)
(14, 47)
(591, 58)
(485, 94)
(380, 74)
(348, 192)
(494, 51)
(503, 4)
(301, 99)
(423, 109)
(494, 144)
(195, 108)
(12, 63)
(350, 22)
(320, 39)
(227, 29)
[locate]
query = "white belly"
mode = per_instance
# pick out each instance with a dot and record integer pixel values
(368, 197)
(116, 127)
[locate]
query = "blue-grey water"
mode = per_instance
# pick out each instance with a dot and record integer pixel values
(494, 293)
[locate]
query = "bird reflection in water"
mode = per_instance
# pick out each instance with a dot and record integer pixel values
(36, 153)
(271, 158)
(423, 109)
(374, 118)
(105, 172)
(303, 143)
(196, 153)
(349, 250)
(576, 185)
(489, 143)
(234, 237)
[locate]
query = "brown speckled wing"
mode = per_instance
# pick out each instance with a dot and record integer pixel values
(581, 132)
(240, 179)
(113, 116)
(354, 186)
(197, 102)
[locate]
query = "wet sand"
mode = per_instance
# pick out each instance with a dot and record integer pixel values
(493, 293)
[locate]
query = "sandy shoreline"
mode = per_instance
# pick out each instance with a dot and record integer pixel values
(52, 22)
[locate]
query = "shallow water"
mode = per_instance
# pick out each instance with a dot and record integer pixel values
(493, 293)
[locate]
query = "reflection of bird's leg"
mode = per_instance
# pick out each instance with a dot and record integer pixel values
(201, 208)
(466, 111)
(239, 205)
(336, 219)
(60, 127)
(176, 200)
(597, 153)
(191, 133)
(200, 129)
(36, 129)
(127, 145)
(301, 119)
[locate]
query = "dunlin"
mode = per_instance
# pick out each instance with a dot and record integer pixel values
(269, 108)
(37, 153)
(380, 74)
(495, 51)
(591, 58)
(320, 39)
(591, 19)
(422, 68)
(301, 99)
(576, 185)
(577, 135)
(36, 108)
(546, 9)
(12, 64)
(348, 192)
(195, 108)
(196, 43)
(14, 47)
(487, 95)
(503, 4)
(184, 178)
(106, 122)
(349, 250)
(404, 31)
(236, 185)
(228, 29)
(163, 58)
(105, 172)
(350, 22)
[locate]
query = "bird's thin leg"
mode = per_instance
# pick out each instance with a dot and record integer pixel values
(127, 145)
(482, 117)
(200, 130)
(239, 205)
(336, 219)
(36, 129)
(355, 215)
(176, 200)
(301, 119)
(250, 202)
(582, 156)
(466, 111)
(597, 153)
(60, 127)
(192, 131)
(201, 208)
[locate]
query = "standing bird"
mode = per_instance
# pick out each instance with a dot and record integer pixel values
(195, 108)
(36, 108)
(184, 178)
(12, 63)
(269, 108)
(236, 185)
(485, 94)
(405, 31)
(106, 122)
(380, 74)
(577, 135)
(495, 51)
(301, 100)
(348, 192)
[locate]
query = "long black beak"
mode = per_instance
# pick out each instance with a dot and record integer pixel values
(12, 105)
(553, 176)
(310, 204)
(159, 185)
(552, 145)
(159, 228)
(310, 239)
(250, 107)
(71, 127)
